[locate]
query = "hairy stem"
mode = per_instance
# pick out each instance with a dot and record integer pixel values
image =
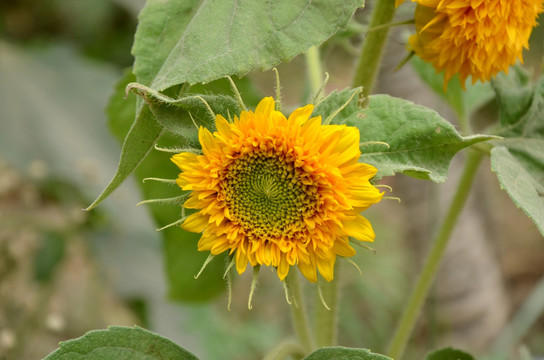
(421, 290)
(298, 312)
(372, 49)
(326, 312)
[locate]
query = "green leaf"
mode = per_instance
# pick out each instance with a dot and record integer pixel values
(412, 139)
(139, 140)
(225, 37)
(519, 160)
(339, 106)
(160, 25)
(463, 102)
(515, 95)
(182, 260)
(181, 42)
(449, 354)
(120, 343)
(520, 169)
(343, 353)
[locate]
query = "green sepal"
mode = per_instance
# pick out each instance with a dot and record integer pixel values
(185, 115)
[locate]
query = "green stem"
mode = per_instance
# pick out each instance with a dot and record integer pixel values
(464, 124)
(298, 312)
(315, 69)
(326, 320)
(426, 277)
(372, 49)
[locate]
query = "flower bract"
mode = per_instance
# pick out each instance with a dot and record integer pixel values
(476, 38)
(278, 191)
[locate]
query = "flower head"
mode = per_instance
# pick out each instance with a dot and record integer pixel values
(477, 38)
(278, 192)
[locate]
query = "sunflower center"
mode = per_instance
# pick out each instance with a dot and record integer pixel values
(267, 196)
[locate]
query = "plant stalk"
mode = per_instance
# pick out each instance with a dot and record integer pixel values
(298, 312)
(326, 319)
(315, 69)
(373, 46)
(421, 290)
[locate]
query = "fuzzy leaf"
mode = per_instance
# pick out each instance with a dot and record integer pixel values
(519, 160)
(181, 42)
(182, 260)
(120, 343)
(421, 143)
(520, 169)
(515, 95)
(139, 141)
(449, 354)
(227, 37)
(346, 100)
(343, 353)
(160, 25)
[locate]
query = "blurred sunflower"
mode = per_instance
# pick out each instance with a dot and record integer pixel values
(278, 192)
(473, 37)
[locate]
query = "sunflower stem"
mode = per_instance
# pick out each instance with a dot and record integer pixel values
(372, 49)
(315, 71)
(421, 290)
(326, 312)
(298, 312)
(464, 123)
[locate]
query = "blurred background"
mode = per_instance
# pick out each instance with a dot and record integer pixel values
(64, 271)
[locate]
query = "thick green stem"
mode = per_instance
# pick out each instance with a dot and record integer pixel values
(413, 308)
(298, 312)
(326, 312)
(372, 49)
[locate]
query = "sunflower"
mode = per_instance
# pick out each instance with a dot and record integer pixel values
(278, 191)
(473, 37)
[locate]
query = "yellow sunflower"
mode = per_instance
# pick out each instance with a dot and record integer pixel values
(278, 192)
(475, 38)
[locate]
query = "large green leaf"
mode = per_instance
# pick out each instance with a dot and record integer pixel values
(519, 160)
(228, 37)
(182, 260)
(343, 353)
(398, 136)
(139, 140)
(120, 343)
(520, 169)
(160, 25)
(449, 354)
(180, 42)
